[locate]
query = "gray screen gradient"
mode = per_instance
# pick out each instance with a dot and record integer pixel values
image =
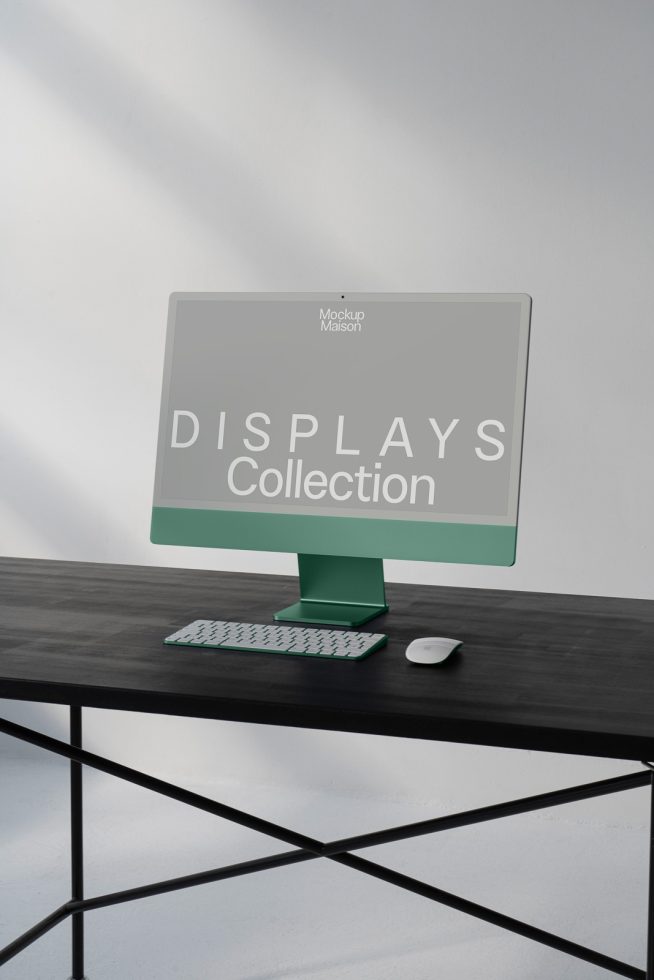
(368, 359)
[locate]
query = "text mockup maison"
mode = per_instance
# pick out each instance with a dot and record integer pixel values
(341, 321)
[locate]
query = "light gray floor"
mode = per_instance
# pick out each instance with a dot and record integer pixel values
(575, 873)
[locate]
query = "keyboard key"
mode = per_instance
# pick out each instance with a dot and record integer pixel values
(248, 645)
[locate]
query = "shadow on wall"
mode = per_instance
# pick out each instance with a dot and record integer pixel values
(51, 504)
(464, 70)
(198, 168)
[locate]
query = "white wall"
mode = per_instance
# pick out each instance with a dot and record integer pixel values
(355, 145)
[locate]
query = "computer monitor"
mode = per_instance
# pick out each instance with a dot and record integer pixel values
(346, 427)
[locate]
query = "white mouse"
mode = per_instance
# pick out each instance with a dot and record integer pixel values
(431, 649)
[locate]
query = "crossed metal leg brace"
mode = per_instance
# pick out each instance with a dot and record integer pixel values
(307, 849)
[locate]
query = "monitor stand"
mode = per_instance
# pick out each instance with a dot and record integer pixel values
(337, 591)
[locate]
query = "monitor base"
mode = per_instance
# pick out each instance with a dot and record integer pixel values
(328, 613)
(337, 591)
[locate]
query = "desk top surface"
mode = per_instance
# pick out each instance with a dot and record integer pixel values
(538, 671)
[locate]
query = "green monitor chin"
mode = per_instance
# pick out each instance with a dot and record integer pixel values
(347, 429)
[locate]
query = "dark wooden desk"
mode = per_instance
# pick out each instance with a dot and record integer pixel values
(559, 673)
(571, 674)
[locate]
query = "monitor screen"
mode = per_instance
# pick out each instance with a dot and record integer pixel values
(380, 425)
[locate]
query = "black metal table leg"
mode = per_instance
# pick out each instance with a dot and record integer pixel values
(308, 848)
(76, 846)
(650, 909)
